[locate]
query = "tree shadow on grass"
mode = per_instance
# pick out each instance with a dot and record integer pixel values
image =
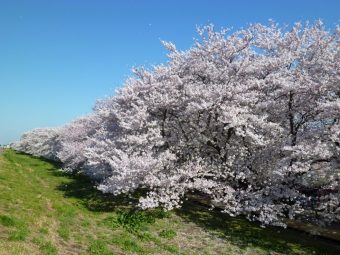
(55, 164)
(245, 234)
(84, 189)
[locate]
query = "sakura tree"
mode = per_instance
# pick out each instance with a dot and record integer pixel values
(248, 119)
(239, 117)
(41, 142)
(304, 100)
(74, 139)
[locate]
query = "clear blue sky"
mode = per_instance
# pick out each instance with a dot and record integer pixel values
(57, 57)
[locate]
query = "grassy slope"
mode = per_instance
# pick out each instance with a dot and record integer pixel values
(43, 211)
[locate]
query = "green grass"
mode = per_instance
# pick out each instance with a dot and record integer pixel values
(18, 234)
(64, 232)
(46, 247)
(7, 221)
(44, 211)
(167, 233)
(98, 247)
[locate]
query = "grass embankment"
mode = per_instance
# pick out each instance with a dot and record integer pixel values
(44, 211)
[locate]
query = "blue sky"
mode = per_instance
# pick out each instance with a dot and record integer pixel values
(57, 57)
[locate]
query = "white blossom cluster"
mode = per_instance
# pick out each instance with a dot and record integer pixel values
(40, 142)
(249, 119)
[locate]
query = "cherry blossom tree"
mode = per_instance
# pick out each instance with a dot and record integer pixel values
(41, 142)
(248, 119)
(241, 118)
(74, 139)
